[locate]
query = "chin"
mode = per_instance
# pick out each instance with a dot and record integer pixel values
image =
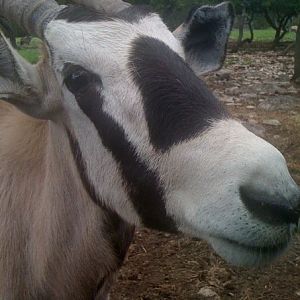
(244, 255)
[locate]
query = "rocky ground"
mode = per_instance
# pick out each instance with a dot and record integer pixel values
(256, 88)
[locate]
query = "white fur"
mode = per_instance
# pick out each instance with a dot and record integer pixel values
(201, 177)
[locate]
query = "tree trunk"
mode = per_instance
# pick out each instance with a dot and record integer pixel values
(241, 24)
(250, 25)
(297, 57)
(277, 37)
(280, 25)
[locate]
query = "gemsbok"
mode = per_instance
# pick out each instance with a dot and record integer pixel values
(113, 129)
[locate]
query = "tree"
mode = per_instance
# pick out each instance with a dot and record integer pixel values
(279, 14)
(245, 11)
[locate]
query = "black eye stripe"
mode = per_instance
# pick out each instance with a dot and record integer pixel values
(142, 185)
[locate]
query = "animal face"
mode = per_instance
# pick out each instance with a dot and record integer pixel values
(149, 139)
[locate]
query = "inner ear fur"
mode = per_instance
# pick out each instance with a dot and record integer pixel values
(204, 36)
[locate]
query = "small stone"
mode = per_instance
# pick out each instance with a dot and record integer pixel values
(265, 106)
(223, 74)
(250, 107)
(298, 293)
(279, 91)
(233, 104)
(227, 99)
(272, 122)
(233, 91)
(207, 292)
(284, 84)
(292, 91)
(249, 96)
(263, 93)
(252, 115)
(252, 122)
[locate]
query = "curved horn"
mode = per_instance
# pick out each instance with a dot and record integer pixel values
(109, 6)
(32, 15)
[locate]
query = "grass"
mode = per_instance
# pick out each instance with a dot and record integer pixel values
(263, 35)
(32, 55)
(30, 52)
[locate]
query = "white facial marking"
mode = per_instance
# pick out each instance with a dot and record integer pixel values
(104, 46)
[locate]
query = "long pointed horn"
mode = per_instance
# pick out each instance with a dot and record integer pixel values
(32, 15)
(109, 6)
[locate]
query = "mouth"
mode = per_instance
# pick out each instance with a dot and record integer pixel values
(247, 256)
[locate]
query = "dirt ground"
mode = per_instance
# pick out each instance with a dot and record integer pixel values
(256, 89)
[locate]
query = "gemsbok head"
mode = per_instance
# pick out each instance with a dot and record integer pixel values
(116, 100)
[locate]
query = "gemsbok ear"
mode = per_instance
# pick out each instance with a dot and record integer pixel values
(19, 80)
(204, 36)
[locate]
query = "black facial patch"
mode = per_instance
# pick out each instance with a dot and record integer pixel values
(79, 13)
(134, 13)
(142, 185)
(80, 165)
(177, 104)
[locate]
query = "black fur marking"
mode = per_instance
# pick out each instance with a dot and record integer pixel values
(142, 185)
(79, 13)
(81, 167)
(177, 104)
(116, 230)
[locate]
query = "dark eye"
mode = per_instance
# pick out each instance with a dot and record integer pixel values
(78, 81)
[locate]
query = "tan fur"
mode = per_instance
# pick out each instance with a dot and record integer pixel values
(51, 233)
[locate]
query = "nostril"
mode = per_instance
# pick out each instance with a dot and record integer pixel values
(273, 209)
